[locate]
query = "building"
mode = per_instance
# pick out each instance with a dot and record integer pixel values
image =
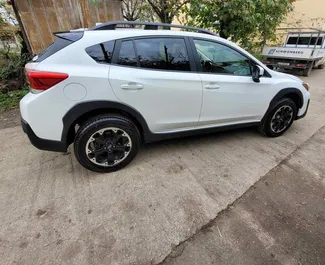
(40, 18)
(307, 13)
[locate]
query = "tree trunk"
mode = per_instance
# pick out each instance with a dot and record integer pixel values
(85, 13)
(222, 32)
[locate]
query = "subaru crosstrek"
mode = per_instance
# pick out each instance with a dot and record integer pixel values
(109, 88)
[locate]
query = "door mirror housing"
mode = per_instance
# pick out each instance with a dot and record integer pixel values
(258, 72)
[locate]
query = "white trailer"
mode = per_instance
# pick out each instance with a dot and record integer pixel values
(303, 50)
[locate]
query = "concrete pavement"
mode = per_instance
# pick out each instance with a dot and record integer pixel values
(53, 211)
(280, 220)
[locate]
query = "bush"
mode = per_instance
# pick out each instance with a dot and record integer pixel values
(11, 99)
(12, 79)
(13, 67)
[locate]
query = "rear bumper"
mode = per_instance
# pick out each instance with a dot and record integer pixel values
(43, 144)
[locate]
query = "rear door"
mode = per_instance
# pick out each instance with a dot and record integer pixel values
(156, 77)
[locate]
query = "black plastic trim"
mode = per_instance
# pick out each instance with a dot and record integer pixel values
(78, 110)
(48, 145)
(165, 136)
(71, 117)
(149, 25)
(281, 94)
(303, 115)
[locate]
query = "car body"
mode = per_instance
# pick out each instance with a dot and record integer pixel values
(159, 84)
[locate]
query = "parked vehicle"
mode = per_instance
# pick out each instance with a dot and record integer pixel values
(303, 50)
(107, 90)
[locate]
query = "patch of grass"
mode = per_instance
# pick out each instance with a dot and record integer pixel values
(11, 99)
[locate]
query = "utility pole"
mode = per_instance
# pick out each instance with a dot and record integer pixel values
(85, 13)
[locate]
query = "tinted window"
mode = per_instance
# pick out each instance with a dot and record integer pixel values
(303, 40)
(292, 40)
(102, 53)
(163, 53)
(217, 58)
(127, 54)
(314, 39)
(63, 40)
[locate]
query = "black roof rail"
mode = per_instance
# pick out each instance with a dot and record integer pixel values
(148, 26)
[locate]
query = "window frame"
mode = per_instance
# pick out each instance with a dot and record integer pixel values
(251, 61)
(117, 50)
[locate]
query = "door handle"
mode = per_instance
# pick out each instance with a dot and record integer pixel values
(132, 86)
(211, 86)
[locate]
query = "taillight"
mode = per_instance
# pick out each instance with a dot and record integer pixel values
(44, 80)
(300, 65)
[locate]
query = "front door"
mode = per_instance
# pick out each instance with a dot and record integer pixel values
(230, 96)
(153, 75)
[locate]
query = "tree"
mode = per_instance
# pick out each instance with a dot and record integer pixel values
(137, 10)
(166, 10)
(7, 13)
(243, 21)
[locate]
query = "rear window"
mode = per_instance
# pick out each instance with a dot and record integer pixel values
(63, 40)
(292, 40)
(303, 40)
(314, 39)
(102, 52)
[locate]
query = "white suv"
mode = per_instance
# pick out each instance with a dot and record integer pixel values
(108, 89)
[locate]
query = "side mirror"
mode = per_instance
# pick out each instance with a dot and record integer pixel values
(258, 72)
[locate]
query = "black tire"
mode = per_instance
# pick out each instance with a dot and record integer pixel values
(322, 66)
(90, 127)
(270, 67)
(307, 71)
(266, 126)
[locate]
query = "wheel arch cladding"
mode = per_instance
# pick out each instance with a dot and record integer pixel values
(292, 93)
(83, 111)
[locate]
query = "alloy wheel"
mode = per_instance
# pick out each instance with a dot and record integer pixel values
(282, 119)
(108, 147)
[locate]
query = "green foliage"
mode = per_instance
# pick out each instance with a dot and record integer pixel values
(150, 10)
(13, 66)
(249, 22)
(11, 99)
(167, 10)
(137, 10)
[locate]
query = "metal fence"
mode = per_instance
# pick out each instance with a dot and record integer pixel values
(40, 18)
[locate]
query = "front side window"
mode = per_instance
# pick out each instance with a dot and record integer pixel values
(220, 59)
(163, 53)
(102, 52)
(127, 54)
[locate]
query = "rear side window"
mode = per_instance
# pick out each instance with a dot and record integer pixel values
(102, 52)
(127, 54)
(163, 53)
(63, 40)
